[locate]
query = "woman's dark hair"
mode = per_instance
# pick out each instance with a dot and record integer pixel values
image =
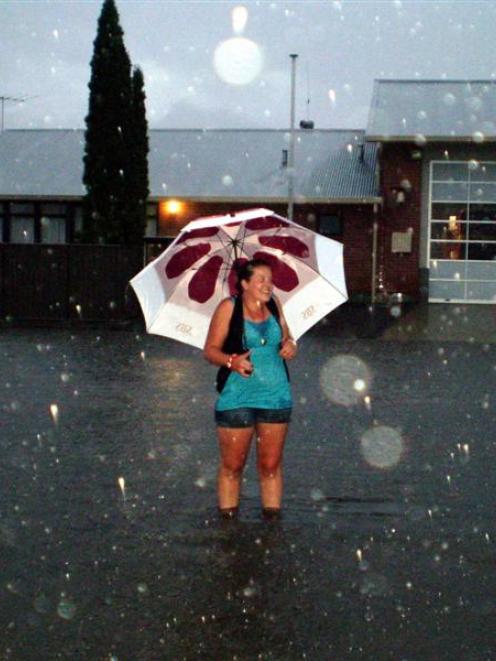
(244, 271)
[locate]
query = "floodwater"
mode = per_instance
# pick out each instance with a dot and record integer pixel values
(110, 543)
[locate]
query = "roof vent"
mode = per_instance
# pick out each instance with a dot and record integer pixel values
(306, 124)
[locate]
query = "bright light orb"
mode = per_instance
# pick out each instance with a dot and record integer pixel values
(238, 61)
(345, 379)
(382, 447)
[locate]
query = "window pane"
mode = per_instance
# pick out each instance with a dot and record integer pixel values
(447, 270)
(482, 211)
(444, 211)
(446, 290)
(21, 230)
(483, 192)
(481, 291)
(481, 271)
(22, 208)
(484, 251)
(482, 231)
(449, 231)
(78, 220)
(458, 192)
(448, 250)
(486, 172)
(52, 230)
(330, 225)
(151, 227)
(449, 171)
(151, 210)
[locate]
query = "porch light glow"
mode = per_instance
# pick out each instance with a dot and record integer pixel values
(171, 207)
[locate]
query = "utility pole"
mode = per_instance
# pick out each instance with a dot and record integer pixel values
(8, 98)
(291, 155)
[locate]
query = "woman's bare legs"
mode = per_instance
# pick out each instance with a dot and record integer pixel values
(234, 447)
(270, 446)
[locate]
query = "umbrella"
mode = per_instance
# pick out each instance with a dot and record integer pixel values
(179, 291)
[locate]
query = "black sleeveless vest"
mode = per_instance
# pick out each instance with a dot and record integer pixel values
(234, 340)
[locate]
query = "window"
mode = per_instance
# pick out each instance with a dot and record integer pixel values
(151, 220)
(22, 222)
(53, 230)
(330, 225)
(462, 222)
(21, 229)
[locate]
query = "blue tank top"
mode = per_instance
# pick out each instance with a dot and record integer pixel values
(267, 387)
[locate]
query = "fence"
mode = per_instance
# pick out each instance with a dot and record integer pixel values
(68, 282)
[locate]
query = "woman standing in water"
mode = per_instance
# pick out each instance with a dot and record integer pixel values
(250, 341)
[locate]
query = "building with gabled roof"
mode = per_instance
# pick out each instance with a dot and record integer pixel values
(412, 197)
(437, 164)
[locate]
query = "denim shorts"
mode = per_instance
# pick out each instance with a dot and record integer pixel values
(248, 417)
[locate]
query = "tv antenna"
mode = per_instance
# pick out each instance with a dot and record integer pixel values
(13, 99)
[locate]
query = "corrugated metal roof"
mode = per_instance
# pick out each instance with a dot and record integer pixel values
(201, 164)
(433, 110)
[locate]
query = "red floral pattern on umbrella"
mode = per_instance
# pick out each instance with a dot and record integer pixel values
(179, 291)
(253, 234)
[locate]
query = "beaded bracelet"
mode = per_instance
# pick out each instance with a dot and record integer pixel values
(230, 360)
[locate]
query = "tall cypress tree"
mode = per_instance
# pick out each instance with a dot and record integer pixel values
(106, 160)
(138, 162)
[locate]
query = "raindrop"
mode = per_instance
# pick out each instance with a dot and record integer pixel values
(420, 139)
(122, 486)
(66, 609)
(332, 97)
(474, 103)
(449, 99)
(473, 165)
(478, 136)
(143, 588)
(317, 494)
(54, 413)
(42, 604)
(227, 180)
(239, 19)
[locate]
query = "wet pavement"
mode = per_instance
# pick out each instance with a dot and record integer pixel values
(109, 539)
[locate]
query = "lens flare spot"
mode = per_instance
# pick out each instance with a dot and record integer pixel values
(382, 447)
(345, 379)
(238, 61)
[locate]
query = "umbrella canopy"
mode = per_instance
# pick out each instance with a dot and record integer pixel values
(179, 291)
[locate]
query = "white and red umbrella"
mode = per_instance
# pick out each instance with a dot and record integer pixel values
(179, 291)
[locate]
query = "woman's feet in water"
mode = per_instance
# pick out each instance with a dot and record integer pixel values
(268, 513)
(228, 513)
(271, 513)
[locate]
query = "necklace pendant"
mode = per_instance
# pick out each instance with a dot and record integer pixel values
(263, 341)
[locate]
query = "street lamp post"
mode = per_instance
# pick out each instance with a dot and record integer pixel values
(291, 155)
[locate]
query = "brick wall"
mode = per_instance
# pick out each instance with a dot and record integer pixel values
(399, 272)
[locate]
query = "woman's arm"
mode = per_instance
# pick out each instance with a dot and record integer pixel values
(217, 333)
